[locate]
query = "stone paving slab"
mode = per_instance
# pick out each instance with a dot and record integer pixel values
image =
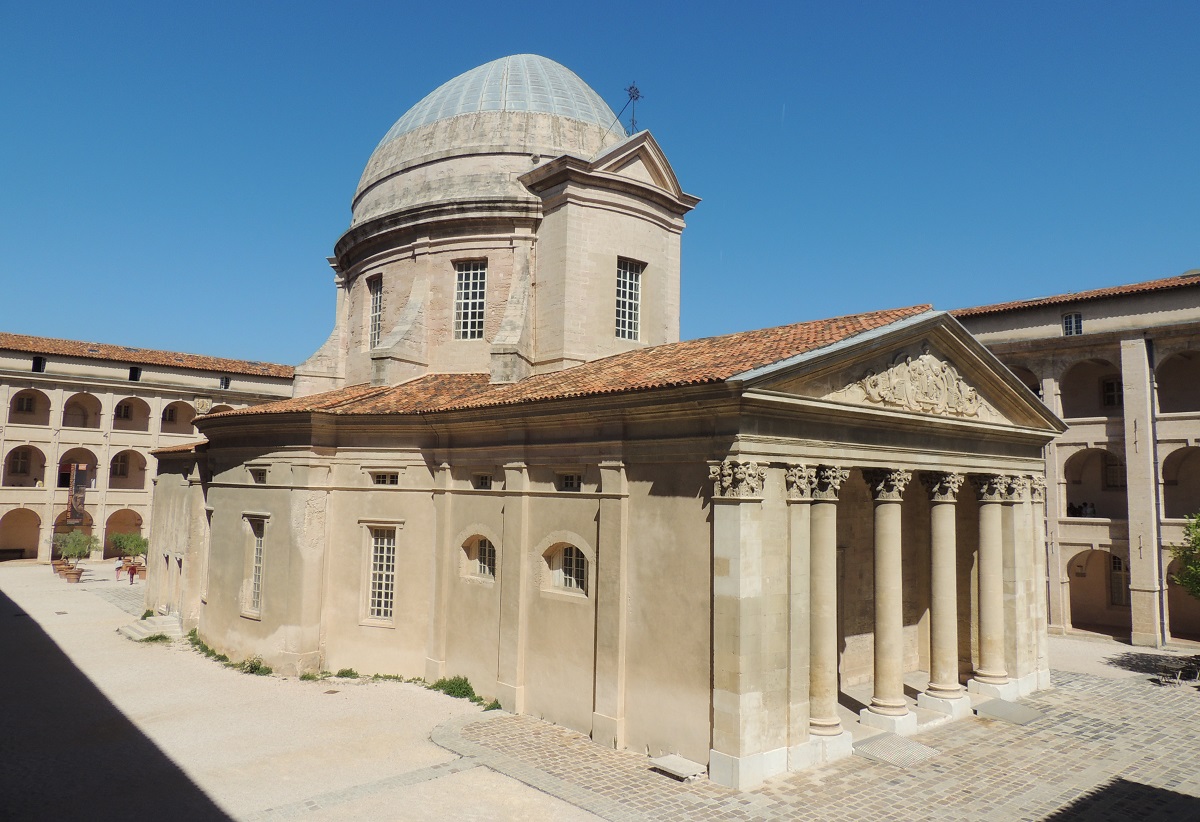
(1103, 747)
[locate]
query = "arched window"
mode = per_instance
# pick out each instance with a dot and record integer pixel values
(480, 557)
(569, 567)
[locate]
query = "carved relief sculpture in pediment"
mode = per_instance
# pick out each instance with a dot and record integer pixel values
(737, 479)
(924, 384)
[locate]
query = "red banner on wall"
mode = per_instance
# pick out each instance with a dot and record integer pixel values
(76, 513)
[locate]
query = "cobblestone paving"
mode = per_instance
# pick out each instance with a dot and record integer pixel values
(1104, 750)
(129, 598)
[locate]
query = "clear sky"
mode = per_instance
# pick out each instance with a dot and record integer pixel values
(174, 175)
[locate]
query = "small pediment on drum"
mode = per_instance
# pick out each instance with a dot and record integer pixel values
(917, 381)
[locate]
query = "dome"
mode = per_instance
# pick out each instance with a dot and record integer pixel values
(472, 137)
(521, 82)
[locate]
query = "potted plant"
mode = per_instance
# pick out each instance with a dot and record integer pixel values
(130, 546)
(73, 547)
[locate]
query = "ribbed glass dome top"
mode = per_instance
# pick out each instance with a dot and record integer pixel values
(521, 82)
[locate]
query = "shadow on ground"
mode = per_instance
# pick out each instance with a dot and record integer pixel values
(1120, 799)
(1164, 669)
(69, 753)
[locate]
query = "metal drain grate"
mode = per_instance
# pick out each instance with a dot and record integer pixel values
(892, 749)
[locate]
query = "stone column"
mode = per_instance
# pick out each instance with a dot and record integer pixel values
(991, 677)
(944, 693)
(888, 709)
(799, 480)
(827, 740)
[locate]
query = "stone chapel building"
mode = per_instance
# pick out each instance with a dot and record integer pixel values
(504, 464)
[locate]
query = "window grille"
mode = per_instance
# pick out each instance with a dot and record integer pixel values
(570, 482)
(120, 465)
(257, 530)
(169, 413)
(1114, 397)
(1072, 325)
(485, 558)
(383, 573)
(574, 569)
(225, 382)
(1118, 582)
(385, 478)
(19, 462)
(1114, 472)
(483, 482)
(469, 298)
(124, 411)
(629, 299)
(375, 287)
(258, 476)
(25, 404)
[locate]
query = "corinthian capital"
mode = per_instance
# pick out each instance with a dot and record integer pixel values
(829, 482)
(990, 487)
(800, 480)
(1017, 488)
(737, 479)
(1037, 488)
(887, 483)
(942, 486)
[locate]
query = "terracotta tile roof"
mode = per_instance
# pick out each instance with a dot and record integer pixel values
(182, 448)
(144, 356)
(691, 362)
(1189, 278)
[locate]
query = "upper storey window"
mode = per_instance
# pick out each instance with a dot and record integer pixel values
(1072, 325)
(629, 299)
(469, 299)
(375, 288)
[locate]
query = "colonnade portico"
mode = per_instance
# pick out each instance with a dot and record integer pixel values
(814, 731)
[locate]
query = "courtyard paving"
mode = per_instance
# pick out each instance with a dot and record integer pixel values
(160, 729)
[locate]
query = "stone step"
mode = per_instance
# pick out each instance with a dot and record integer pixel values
(150, 626)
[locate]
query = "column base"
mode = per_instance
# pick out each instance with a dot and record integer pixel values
(608, 731)
(1043, 679)
(820, 750)
(902, 724)
(1008, 691)
(745, 773)
(435, 669)
(1145, 639)
(955, 708)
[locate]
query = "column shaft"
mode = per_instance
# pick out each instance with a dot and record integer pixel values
(943, 604)
(823, 672)
(888, 696)
(991, 595)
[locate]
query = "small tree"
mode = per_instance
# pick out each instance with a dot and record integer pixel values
(1188, 557)
(130, 545)
(75, 546)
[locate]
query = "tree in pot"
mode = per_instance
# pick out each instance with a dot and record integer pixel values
(130, 546)
(73, 547)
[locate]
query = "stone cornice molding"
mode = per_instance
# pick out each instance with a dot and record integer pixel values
(990, 487)
(800, 481)
(737, 479)
(829, 479)
(887, 484)
(943, 486)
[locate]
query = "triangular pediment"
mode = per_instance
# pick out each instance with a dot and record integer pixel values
(930, 367)
(639, 158)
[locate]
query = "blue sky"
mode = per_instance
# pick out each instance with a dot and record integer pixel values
(173, 176)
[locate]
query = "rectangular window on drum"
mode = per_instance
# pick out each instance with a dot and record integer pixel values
(257, 531)
(629, 299)
(383, 573)
(375, 287)
(470, 295)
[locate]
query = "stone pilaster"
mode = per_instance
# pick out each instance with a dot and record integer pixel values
(1042, 582)
(944, 693)
(445, 556)
(514, 595)
(612, 619)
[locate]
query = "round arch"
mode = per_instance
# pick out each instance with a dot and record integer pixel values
(82, 410)
(76, 456)
(552, 548)
(1027, 378)
(20, 530)
(1181, 482)
(127, 471)
(29, 407)
(469, 540)
(131, 414)
(1099, 587)
(218, 409)
(1178, 381)
(25, 467)
(1095, 485)
(61, 527)
(1091, 388)
(123, 521)
(177, 418)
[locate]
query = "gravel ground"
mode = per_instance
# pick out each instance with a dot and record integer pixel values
(96, 721)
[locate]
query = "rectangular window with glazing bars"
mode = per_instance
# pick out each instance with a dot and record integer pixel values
(383, 573)
(629, 299)
(469, 298)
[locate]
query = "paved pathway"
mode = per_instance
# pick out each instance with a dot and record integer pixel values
(1111, 744)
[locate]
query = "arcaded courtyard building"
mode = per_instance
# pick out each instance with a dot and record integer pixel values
(1121, 366)
(514, 471)
(95, 412)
